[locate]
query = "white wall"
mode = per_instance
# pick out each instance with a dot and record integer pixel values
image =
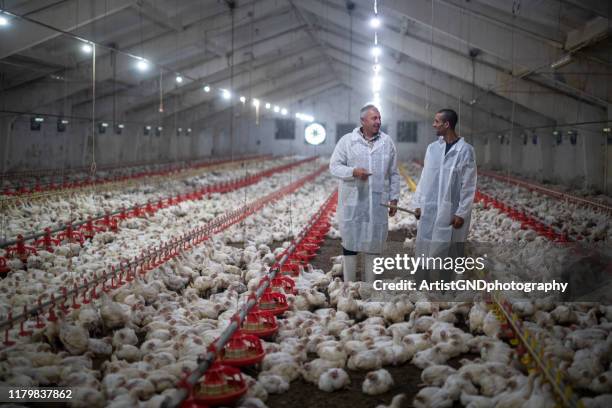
(23, 149)
(579, 165)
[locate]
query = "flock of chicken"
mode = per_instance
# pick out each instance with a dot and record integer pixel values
(130, 347)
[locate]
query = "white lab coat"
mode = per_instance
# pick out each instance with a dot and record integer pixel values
(446, 188)
(363, 221)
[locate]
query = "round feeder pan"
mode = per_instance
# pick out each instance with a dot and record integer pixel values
(230, 385)
(271, 302)
(264, 322)
(252, 347)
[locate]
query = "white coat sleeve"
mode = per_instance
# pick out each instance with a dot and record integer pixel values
(417, 199)
(338, 162)
(468, 185)
(394, 182)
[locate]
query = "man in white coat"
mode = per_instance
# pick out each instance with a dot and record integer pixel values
(365, 161)
(445, 193)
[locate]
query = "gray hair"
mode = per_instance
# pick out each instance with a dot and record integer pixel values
(365, 109)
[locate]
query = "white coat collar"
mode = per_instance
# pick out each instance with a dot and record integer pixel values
(378, 143)
(457, 146)
(357, 135)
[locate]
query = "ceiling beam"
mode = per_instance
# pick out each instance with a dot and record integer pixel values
(488, 78)
(459, 31)
(432, 83)
(298, 80)
(591, 33)
(157, 15)
(140, 97)
(40, 96)
(244, 84)
(63, 16)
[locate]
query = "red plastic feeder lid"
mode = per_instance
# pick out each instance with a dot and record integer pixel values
(290, 268)
(275, 303)
(221, 385)
(309, 246)
(283, 282)
(259, 323)
(242, 350)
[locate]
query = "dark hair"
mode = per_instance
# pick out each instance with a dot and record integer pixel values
(450, 116)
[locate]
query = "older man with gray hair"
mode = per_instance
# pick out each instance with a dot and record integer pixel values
(365, 161)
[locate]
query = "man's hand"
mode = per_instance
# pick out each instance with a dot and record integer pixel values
(417, 213)
(361, 173)
(457, 222)
(392, 211)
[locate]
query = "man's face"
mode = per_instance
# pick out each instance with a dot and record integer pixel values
(440, 124)
(371, 122)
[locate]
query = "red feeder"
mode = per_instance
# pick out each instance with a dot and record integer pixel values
(4, 269)
(303, 255)
(259, 323)
(318, 232)
(275, 303)
(21, 249)
(291, 269)
(242, 350)
(313, 240)
(284, 283)
(222, 385)
(310, 247)
(323, 224)
(47, 241)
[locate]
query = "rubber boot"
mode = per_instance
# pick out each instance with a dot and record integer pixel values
(349, 267)
(368, 267)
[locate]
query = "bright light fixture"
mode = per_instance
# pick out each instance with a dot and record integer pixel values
(207, 88)
(256, 103)
(242, 99)
(3, 21)
(375, 22)
(304, 117)
(268, 105)
(179, 79)
(376, 51)
(227, 95)
(142, 65)
(86, 48)
(376, 83)
(276, 108)
(283, 111)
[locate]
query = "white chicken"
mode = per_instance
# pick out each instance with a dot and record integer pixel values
(377, 382)
(334, 379)
(274, 384)
(396, 402)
